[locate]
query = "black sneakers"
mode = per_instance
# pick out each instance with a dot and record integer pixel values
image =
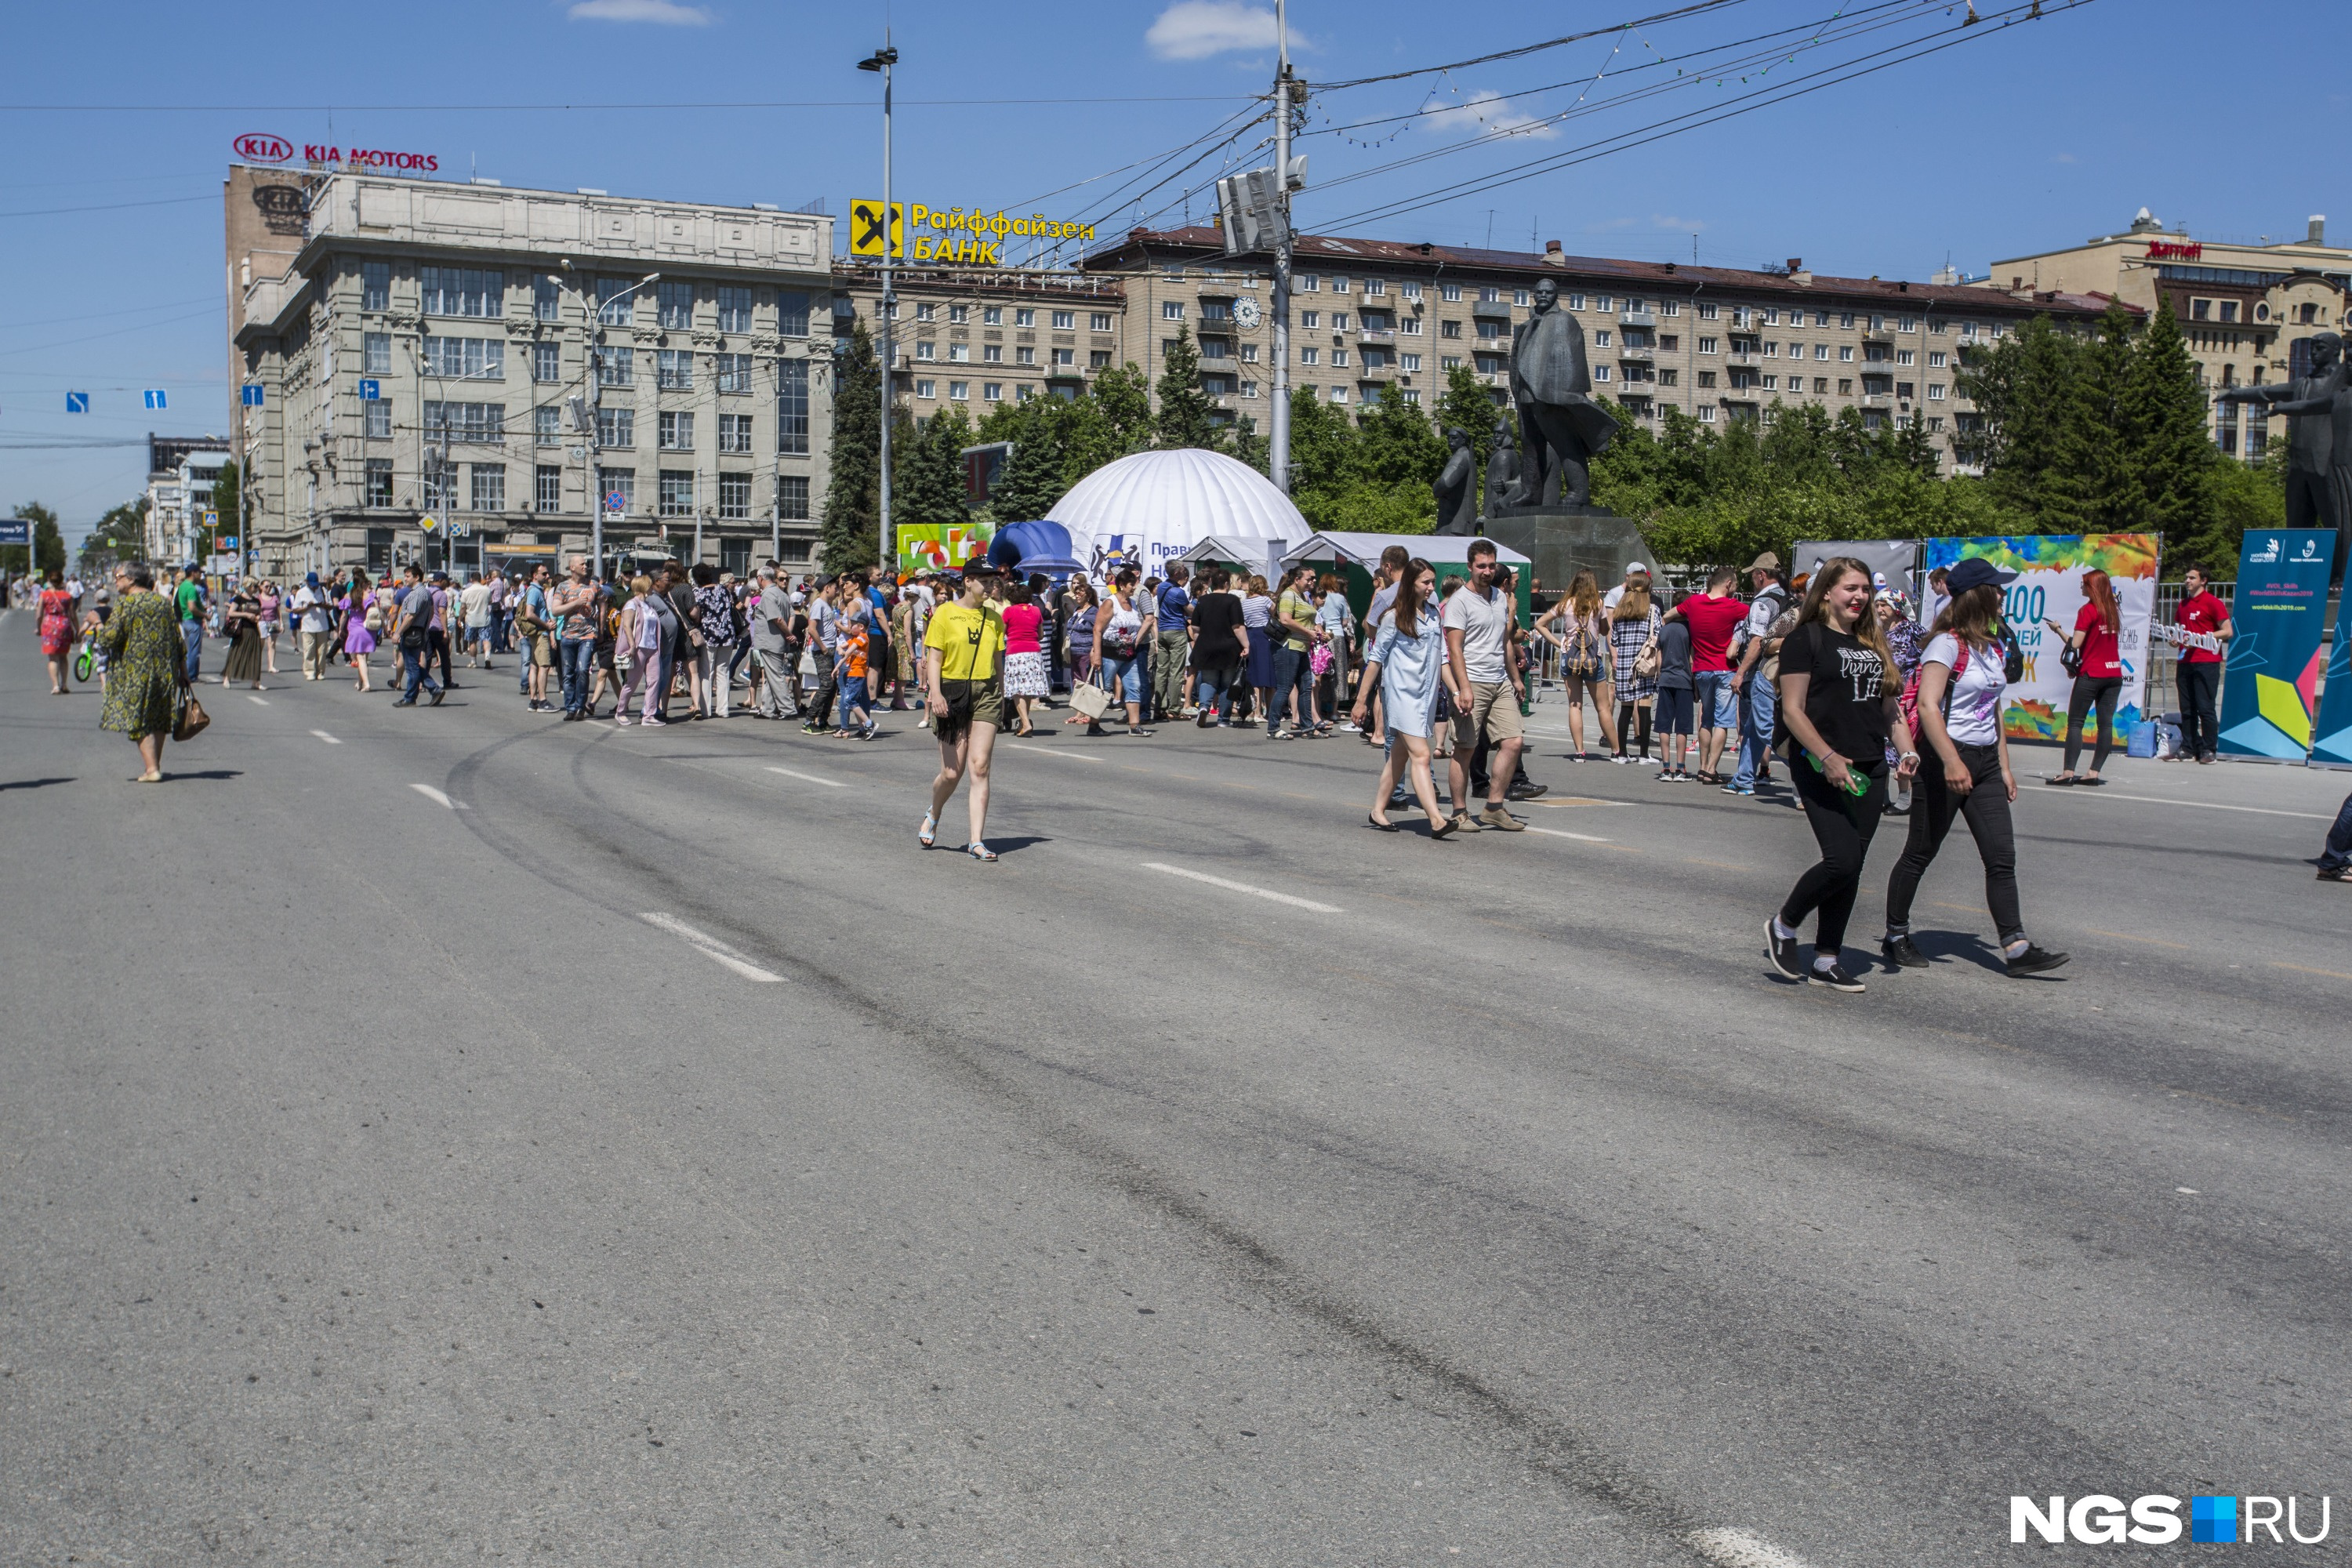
(2336, 873)
(1903, 952)
(1782, 952)
(2034, 960)
(1834, 977)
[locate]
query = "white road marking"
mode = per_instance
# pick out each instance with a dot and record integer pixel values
(1050, 752)
(250, 697)
(2095, 791)
(1558, 832)
(1244, 888)
(437, 798)
(804, 778)
(324, 736)
(711, 948)
(1741, 1549)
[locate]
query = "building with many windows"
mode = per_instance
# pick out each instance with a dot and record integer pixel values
(181, 470)
(972, 337)
(1373, 319)
(456, 373)
(2241, 307)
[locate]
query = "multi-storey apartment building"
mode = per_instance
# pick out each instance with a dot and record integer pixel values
(494, 362)
(1373, 319)
(179, 474)
(2242, 307)
(975, 336)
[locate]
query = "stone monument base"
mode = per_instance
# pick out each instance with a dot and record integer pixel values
(1564, 540)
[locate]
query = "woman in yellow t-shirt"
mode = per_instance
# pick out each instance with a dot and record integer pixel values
(963, 658)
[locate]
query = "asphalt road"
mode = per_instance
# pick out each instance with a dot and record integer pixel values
(438, 1134)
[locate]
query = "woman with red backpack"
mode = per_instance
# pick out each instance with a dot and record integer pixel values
(1961, 680)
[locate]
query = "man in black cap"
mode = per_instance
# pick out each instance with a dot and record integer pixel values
(963, 681)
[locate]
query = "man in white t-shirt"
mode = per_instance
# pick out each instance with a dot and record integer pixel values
(308, 607)
(476, 603)
(1483, 680)
(1634, 573)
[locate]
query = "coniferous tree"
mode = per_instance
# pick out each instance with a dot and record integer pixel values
(2172, 459)
(1032, 478)
(853, 501)
(2095, 484)
(928, 485)
(1184, 416)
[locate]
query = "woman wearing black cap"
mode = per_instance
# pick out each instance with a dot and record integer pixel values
(1961, 680)
(963, 651)
(1838, 695)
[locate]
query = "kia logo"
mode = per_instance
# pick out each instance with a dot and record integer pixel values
(259, 147)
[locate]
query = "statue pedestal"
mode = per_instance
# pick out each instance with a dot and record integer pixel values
(1564, 540)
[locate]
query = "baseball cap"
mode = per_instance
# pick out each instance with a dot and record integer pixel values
(1633, 566)
(980, 566)
(1974, 572)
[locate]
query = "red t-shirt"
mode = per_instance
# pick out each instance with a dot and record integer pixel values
(1021, 624)
(2202, 614)
(2099, 651)
(1712, 621)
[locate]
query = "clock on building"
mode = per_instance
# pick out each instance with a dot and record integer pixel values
(1245, 311)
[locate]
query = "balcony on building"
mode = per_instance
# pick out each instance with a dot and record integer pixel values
(1637, 318)
(1743, 356)
(1637, 354)
(1493, 310)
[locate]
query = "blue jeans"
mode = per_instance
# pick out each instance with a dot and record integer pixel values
(853, 695)
(578, 656)
(418, 671)
(2338, 853)
(1216, 687)
(1755, 734)
(1717, 704)
(192, 636)
(1291, 671)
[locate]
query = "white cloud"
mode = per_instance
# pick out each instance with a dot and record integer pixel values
(662, 13)
(1679, 224)
(1195, 29)
(1481, 113)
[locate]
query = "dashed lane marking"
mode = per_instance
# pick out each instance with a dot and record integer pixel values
(437, 798)
(804, 778)
(1049, 752)
(2306, 969)
(324, 736)
(711, 948)
(2199, 805)
(1243, 888)
(264, 701)
(1561, 833)
(1741, 1549)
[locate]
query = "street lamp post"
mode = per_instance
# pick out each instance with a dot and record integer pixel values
(586, 405)
(881, 60)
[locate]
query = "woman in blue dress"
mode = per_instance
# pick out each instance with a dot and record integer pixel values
(1408, 657)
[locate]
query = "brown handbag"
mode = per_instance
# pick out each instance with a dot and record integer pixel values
(191, 720)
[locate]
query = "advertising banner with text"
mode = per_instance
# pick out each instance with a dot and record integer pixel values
(2270, 687)
(2331, 743)
(2049, 587)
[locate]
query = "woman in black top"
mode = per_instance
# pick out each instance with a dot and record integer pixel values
(1839, 699)
(1219, 644)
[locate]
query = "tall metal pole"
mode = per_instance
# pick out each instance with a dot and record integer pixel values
(1278, 438)
(889, 56)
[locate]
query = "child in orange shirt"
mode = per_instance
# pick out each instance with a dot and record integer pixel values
(850, 664)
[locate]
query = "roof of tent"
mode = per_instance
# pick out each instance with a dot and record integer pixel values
(1034, 547)
(1176, 497)
(1364, 549)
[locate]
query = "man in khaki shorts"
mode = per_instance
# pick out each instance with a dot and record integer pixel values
(1484, 682)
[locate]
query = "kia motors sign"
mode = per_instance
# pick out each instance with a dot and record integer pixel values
(260, 147)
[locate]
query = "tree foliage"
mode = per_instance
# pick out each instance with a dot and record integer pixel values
(228, 505)
(119, 535)
(927, 473)
(853, 504)
(48, 546)
(1370, 475)
(1185, 418)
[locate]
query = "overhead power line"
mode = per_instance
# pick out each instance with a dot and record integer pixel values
(114, 206)
(571, 107)
(1649, 21)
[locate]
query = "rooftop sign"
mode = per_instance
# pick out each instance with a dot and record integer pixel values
(2174, 250)
(973, 239)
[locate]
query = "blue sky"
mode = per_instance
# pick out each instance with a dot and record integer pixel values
(2018, 138)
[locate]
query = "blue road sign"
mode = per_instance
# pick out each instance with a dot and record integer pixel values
(77, 402)
(155, 397)
(16, 534)
(371, 390)
(251, 395)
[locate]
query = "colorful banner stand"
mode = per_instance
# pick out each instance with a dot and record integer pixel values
(2280, 608)
(2049, 587)
(941, 547)
(2331, 743)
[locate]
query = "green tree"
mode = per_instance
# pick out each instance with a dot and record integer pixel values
(1396, 445)
(47, 549)
(1031, 481)
(853, 501)
(2170, 476)
(2028, 391)
(119, 535)
(1468, 406)
(1185, 420)
(228, 505)
(927, 488)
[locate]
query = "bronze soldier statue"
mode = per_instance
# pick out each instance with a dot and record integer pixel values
(2318, 411)
(1503, 470)
(1456, 487)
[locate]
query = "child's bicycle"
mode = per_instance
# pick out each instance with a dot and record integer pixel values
(87, 659)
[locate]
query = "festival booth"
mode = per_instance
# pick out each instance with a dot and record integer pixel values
(2048, 587)
(1244, 556)
(1354, 557)
(1151, 508)
(1026, 548)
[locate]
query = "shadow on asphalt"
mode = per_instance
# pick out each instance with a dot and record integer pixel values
(32, 784)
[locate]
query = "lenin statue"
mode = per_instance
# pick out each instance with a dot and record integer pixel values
(2318, 411)
(1563, 429)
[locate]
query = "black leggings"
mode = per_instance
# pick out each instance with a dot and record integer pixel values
(1626, 715)
(1842, 825)
(1933, 806)
(2200, 724)
(2089, 689)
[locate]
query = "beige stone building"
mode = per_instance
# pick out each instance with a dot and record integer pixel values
(2242, 306)
(972, 337)
(431, 351)
(1373, 319)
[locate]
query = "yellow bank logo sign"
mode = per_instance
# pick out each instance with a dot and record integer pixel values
(973, 239)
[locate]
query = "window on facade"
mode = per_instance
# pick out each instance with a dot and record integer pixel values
(1023, 317)
(676, 495)
(992, 315)
(1309, 355)
(993, 353)
(674, 306)
(926, 388)
(547, 488)
(1249, 389)
(547, 426)
(1707, 311)
(1339, 394)
(1935, 392)
(735, 433)
(616, 482)
(1305, 283)
(1906, 356)
(1846, 386)
(1099, 359)
(1490, 327)
(791, 313)
(959, 391)
(992, 392)
(465, 422)
(612, 310)
(1707, 414)
(379, 481)
(1669, 377)
(733, 372)
(927, 350)
(546, 298)
(793, 496)
(674, 370)
(1171, 310)
(1449, 329)
(376, 285)
(378, 417)
(1845, 353)
(1339, 356)
(616, 427)
(462, 291)
(1937, 358)
(375, 353)
(735, 309)
(1339, 284)
(734, 496)
(1707, 378)
(482, 358)
(616, 367)
(486, 488)
(792, 406)
(1024, 354)
(1409, 362)
(927, 312)
(547, 361)
(959, 315)
(961, 353)
(1449, 290)
(1601, 339)
(1101, 321)
(676, 431)
(1063, 321)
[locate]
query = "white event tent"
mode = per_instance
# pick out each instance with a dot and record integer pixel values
(1151, 508)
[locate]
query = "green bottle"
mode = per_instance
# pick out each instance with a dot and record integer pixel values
(1857, 785)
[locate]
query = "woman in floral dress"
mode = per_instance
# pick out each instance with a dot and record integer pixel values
(146, 666)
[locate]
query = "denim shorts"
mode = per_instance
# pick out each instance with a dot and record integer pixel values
(1717, 704)
(1126, 677)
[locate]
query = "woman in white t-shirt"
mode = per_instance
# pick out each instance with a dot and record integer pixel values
(1961, 683)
